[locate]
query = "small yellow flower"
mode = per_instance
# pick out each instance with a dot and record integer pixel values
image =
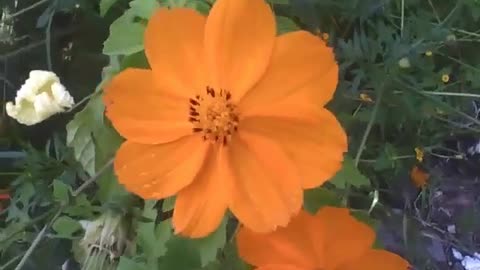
(325, 36)
(428, 53)
(419, 154)
(445, 78)
(366, 98)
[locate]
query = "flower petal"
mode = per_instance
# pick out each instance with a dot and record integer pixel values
(345, 238)
(300, 62)
(377, 260)
(239, 38)
(141, 112)
(174, 48)
(159, 171)
(312, 139)
(292, 245)
(200, 207)
(267, 189)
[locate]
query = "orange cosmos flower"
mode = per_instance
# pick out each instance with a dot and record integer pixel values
(228, 117)
(419, 177)
(330, 240)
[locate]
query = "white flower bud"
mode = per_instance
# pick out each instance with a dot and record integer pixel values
(41, 96)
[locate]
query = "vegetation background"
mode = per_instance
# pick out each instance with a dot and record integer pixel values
(408, 97)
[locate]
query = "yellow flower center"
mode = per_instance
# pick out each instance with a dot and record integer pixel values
(214, 115)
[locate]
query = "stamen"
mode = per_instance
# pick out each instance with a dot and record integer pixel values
(214, 115)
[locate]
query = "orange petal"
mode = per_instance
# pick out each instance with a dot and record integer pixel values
(300, 62)
(315, 141)
(143, 113)
(292, 245)
(159, 171)
(174, 48)
(267, 188)
(200, 207)
(281, 267)
(377, 260)
(239, 38)
(345, 238)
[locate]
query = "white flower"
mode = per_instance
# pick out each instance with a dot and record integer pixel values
(41, 96)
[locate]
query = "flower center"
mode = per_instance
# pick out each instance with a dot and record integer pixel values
(214, 115)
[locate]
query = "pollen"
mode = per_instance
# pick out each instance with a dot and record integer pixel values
(214, 115)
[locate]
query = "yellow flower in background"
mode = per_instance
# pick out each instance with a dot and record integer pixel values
(325, 36)
(445, 78)
(419, 154)
(41, 96)
(366, 98)
(428, 53)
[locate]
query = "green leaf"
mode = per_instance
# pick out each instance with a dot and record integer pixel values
(109, 190)
(181, 254)
(349, 174)
(152, 238)
(315, 199)
(199, 5)
(61, 191)
(209, 246)
(65, 226)
(105, 5)
(230, 259)
(126, 36)
(168, 204)
(285, 25)
(144, 8)
(80, 133)
(129, 264)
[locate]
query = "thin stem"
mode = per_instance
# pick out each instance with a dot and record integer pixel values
(402, 21)
(11, 261)
(38, 239)
(369, 127)
(20, 12)
(42, 233)
(434, 11)
(48, 40)
(78, 104)
(453, 94)
(93, 178)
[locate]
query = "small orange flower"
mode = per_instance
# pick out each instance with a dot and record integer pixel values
(330, 240)
(228, 117)
(419, 177)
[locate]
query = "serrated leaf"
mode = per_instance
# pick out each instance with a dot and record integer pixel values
(105, 6)
(144, 8)
(65, 226)
(209, 246)
(80, 133)
(349, 174)
(61, 191)
(126, 36)
(285, 25)
(316, 198)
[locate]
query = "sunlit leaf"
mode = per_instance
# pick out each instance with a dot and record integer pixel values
(126, 36)
(105, 5)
